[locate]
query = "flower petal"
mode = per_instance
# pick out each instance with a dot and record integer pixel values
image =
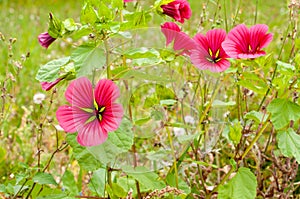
(237, 41)
(215, 38)
(258, 37)
(106, 92)
(91, 134)
(64, 115)
(112, 117)
(80, 93)
(170, 30)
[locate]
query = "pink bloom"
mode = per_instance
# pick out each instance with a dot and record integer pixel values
(45, 39)
(92, 113)
(182, 42)
(242, 42)
(127, 1)
(209, 54)
(178, 10)
(49, 85)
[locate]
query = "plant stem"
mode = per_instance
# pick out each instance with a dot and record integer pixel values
(107, 52)
(265, 125)
(174, 156)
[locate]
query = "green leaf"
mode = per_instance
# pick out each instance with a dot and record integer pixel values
(283, 111)
(50, 71)
(97, 183)
(118, 142)
(117, 4)
(258, 117)
(88, 14)
(118, 191)
(253, 82)
(171, 180)
(285, 68)
(219, 103)
(44, 178)
(69, 182)
(289, 143)
(143, 56)
(82, 155)
(241, 186)
(87, 58)
(235, 132)
(146, 177)
(70, 25)
(2, 154)
(104, 12)
(139, 75)
(168, 102)
(188, 138)
(56, 27)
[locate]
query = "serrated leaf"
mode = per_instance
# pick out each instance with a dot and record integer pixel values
(50, 71)
(146, 177)
(282, 112)
(241, 186)
(82, 155)
(87, 58)
(118, 142)
(289, 143)
(69, 182)
(44, 178)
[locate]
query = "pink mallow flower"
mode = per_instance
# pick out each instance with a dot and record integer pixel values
(243, 43)
(92, 113)
(125, 1)
(178, 10)
(209, 54)
(45, 39)
(182, 42)
(49, 85)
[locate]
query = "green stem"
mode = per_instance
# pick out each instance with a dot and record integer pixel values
(256, 8)
(174, 156)
(108, 69)
(265, 125)
(225, 16)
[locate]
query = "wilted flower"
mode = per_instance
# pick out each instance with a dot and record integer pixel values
(182, 42)
(209, 54)
(48, 85)
(38, 98)
(242, 42)
(92, 113)
(178, 10)
(45, 39)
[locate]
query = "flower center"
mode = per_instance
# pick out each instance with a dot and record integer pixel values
(99, 110)
(214, 58)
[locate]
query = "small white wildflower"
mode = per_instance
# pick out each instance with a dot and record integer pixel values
(178, 131)
(85, 38)
(38, 98)
(189, 119)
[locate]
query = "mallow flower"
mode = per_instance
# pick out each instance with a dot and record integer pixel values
(92, 112)
(178, 10)
(242, 43)
(45, 39)
(209, 54)
(182, 42)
